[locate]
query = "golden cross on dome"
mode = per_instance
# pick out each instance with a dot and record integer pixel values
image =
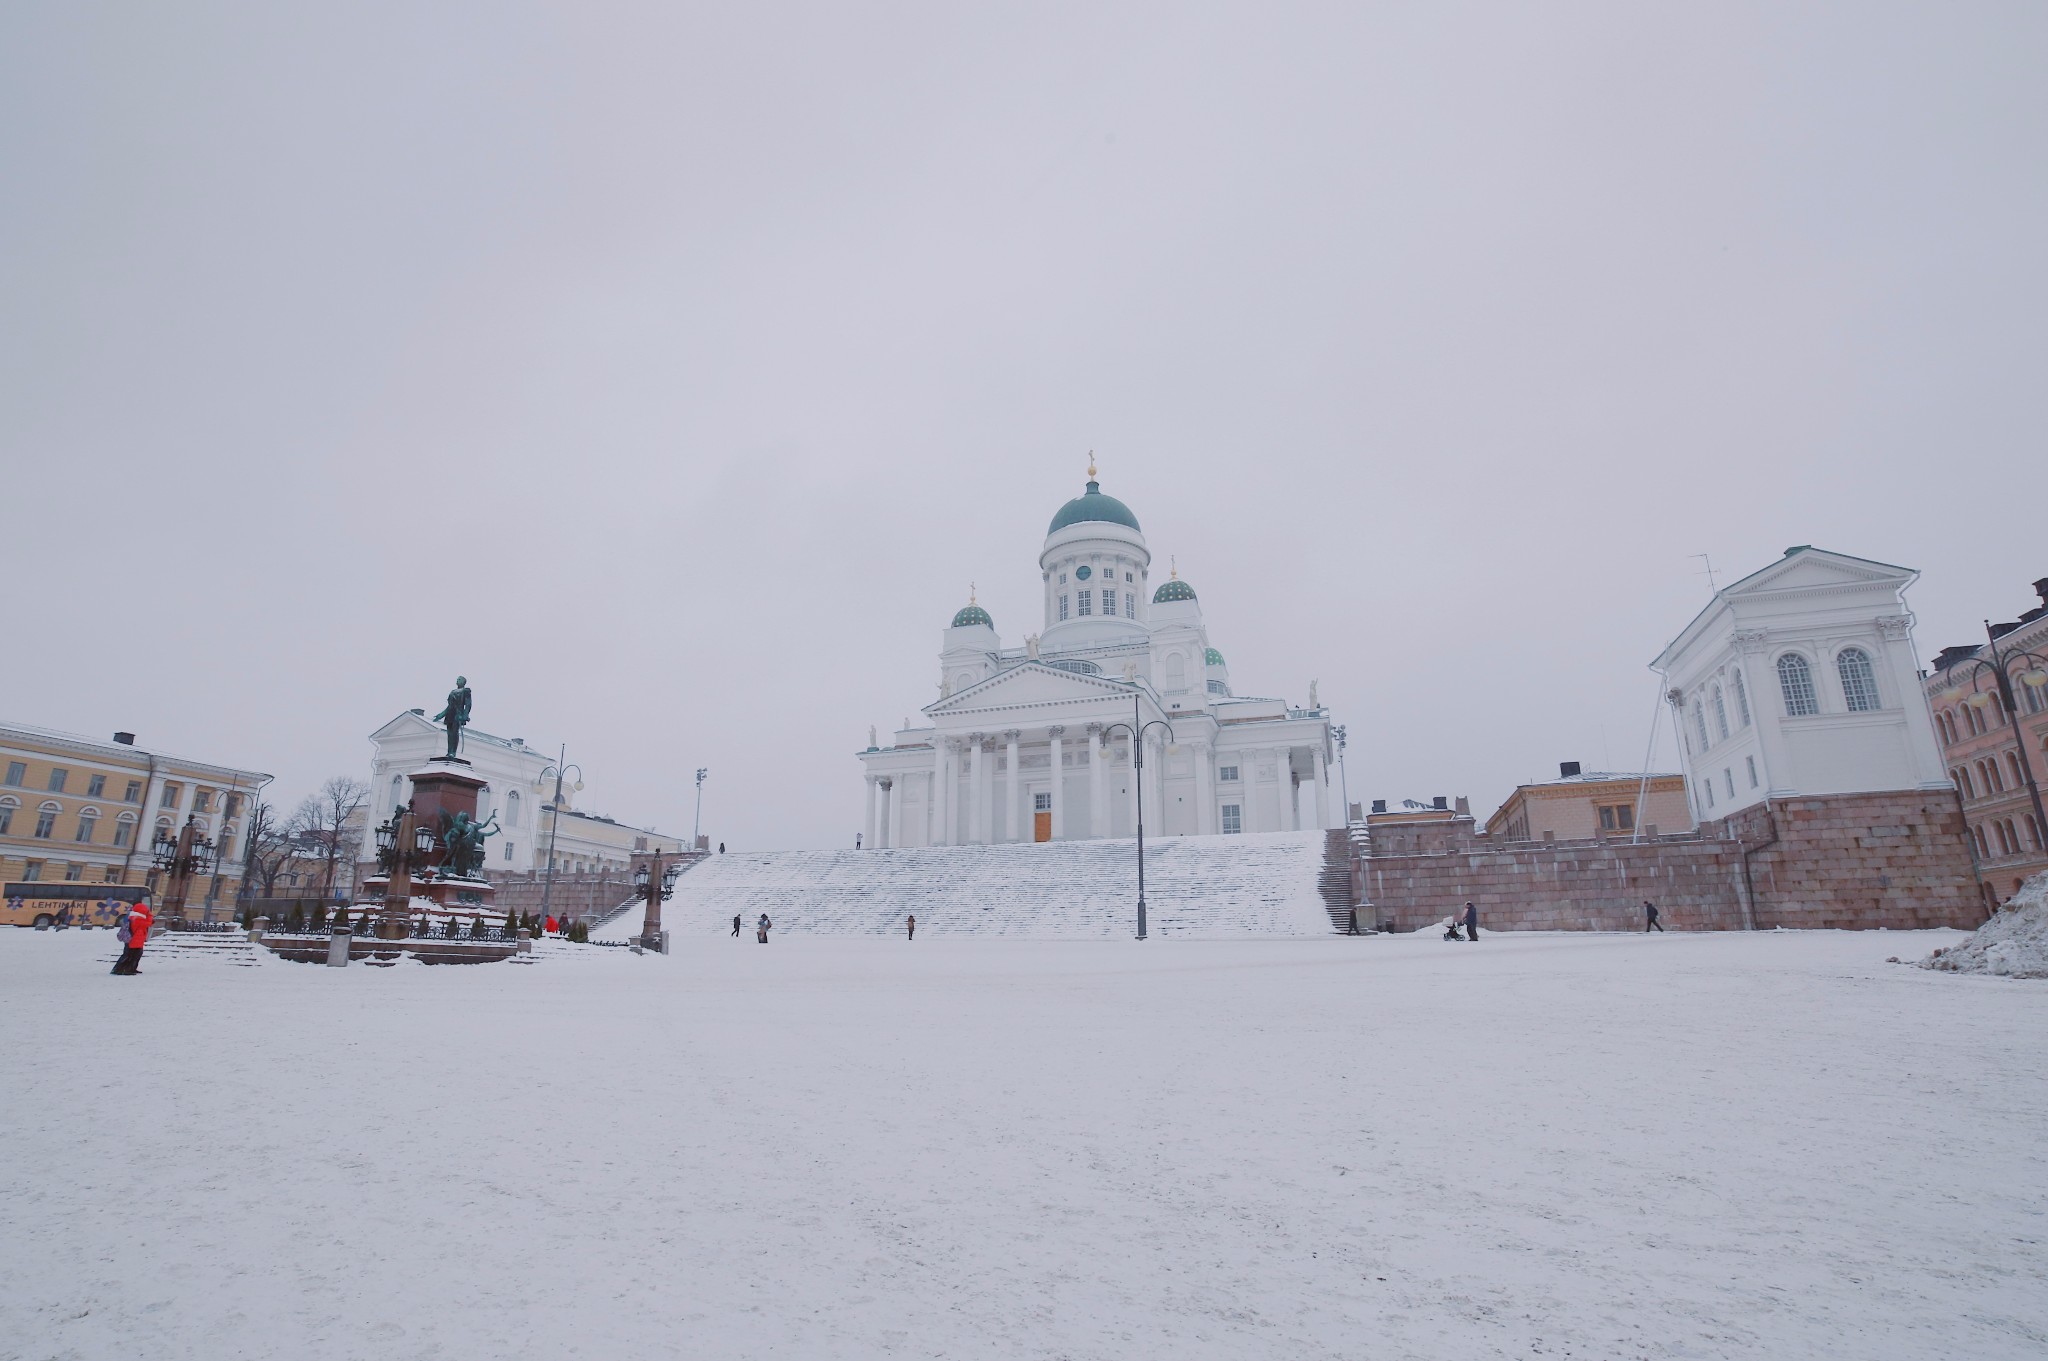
(1091, 465)
(970, 593)
(1174, 563)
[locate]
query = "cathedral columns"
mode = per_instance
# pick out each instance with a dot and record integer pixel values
(887, 835)
(1155, 758)
(1133, 748)
(1017, 831)
(1059, 782)
(1098, 807)
(977, 806)
(1322, 783)
(870, 834)
(1205, 789)
(949, 793)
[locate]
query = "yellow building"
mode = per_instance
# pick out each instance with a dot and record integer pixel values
(77, 810)
(1586, 806)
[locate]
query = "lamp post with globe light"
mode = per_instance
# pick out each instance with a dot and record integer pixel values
(1137, 730)
(403, 846)
(184, 858)
(547, 891)
(697, 822)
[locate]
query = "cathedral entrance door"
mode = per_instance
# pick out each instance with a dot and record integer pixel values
(1041, 817)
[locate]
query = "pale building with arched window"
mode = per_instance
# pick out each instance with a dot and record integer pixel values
(1817, 648)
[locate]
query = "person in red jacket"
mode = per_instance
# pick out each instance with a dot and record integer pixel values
(138, 934)
(551, 927)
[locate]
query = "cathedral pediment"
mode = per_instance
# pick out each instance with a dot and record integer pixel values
(1030, 683)
(1808, 569)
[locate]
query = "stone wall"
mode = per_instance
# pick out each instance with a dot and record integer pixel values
(1895, 860)
(574, 897)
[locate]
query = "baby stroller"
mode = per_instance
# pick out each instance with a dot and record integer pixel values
(1451, 929)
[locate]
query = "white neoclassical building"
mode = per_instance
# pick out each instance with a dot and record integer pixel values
(1033, 743)
(1800, 679)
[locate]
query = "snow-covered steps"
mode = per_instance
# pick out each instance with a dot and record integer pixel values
(1217, 886)
(221, 947)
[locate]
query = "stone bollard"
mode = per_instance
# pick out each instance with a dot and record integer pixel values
(256, 931)
(338, 940)
(525, 941)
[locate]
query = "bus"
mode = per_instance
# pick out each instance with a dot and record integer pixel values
(40, 905)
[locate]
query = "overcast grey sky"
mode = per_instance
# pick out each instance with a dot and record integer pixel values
(672, 370)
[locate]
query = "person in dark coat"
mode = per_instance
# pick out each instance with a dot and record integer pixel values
(761, 929)
(1471, 922)
(1650, 922)
(735, 924)
(1354, 923)
(912, 924)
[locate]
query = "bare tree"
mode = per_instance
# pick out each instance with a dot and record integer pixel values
(326, 823)
(271, 840)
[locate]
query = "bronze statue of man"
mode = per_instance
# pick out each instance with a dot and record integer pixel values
(456, 714)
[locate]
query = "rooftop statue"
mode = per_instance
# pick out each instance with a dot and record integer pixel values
(456, 713)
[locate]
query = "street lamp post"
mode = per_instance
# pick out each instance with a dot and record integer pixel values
(403, 846)
(2000, 668)
(183, 858)
(656, 880)
(1343, 775)
(1137, 731)
(697, 822)
(547, 891)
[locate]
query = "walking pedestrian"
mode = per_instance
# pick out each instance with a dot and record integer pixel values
(856, 840)
(133, 934)
(1354, 923)
(761, 929)
(1650, 918)
(912, 923)
(721, 848)
(1471, 922)
(735, 926)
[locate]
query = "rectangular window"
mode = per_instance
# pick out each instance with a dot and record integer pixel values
(1063, 607)
(96, 787)
(234, 805)
(17, 773)
(134, 794)
(1128, 577)
(1707, 786)
(1226, 772)
(1617, 817)
(1606, 818)
(1041, 803)
(1233, 819)
(32, 871)
(6, 817)
(58, 775)
(1130, 604)
(73, 872)
(85, 826)
(45, 821)
(1729, 776)
(111, 875)
(170, 798)
(122, 831)
(1752, 771)
(1087, 602)
(508, 850)
(1109, 603)
(202, 801)
(1626, 816)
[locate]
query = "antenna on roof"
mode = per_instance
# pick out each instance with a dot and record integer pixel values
(1711, 587)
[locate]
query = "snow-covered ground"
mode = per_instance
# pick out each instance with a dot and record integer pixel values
(1717, 1145)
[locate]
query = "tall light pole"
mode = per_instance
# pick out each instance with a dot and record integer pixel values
(1343, 775)
(697, 822)
(184, 858)
(1137, 731)
(1999, 667)
(547, 890)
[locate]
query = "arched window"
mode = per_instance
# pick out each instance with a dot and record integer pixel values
(1741, 697)
(1983, 848)
(397, 792)
(124, 829)
(1859, 682)
(1994, 783)
(7, 807)
(1795, 678)
(88, 822)
(46, 819)
(2034, 833)
(512, 809)
(1720, 713)
(1699, 723)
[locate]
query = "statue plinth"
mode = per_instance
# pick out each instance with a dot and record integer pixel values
(443, 786)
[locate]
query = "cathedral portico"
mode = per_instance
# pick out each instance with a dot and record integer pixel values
(1033, 743)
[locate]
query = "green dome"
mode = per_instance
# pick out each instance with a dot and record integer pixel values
(1093, 505)
(972, 614)
(1175, 589)
(1212, 658)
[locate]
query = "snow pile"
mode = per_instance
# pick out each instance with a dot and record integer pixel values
(2013, 943)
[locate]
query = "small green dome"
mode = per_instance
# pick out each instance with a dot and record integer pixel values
(1093, 505)
(1212, 658)
(971, 614)
(1175, 589)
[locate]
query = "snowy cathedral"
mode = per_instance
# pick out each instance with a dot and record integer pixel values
(1033, 743)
